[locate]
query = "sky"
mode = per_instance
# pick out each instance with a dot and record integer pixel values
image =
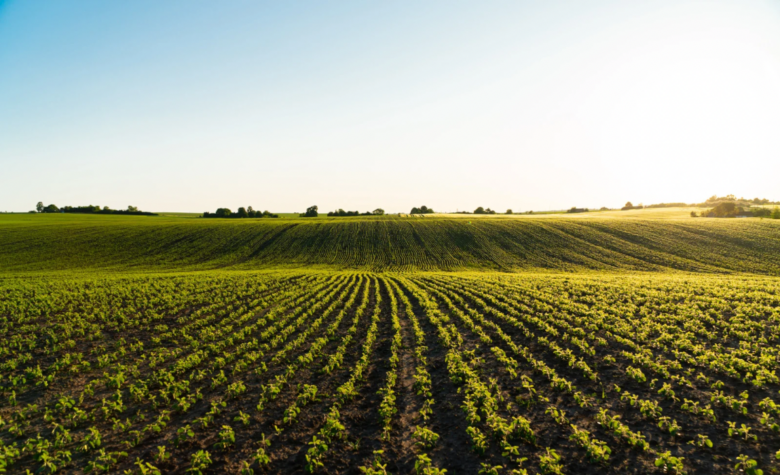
(192, 105)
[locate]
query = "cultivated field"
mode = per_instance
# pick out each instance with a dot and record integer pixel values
(126, 243)
(624, 346)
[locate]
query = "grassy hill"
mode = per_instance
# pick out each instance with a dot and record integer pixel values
(113, 243)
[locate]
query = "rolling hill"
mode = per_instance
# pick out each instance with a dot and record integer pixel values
(32, 243)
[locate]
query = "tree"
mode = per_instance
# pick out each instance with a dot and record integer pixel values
(242, 212)
(223, 212)
(132, 209)
(509, 211)
(694, 214)
(725, 209)
(421, 210)
(39, 207)
(311, 212)
(776, 213)
(378, 212)
(52, 208)
(479, 210)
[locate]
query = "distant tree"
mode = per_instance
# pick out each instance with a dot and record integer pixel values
(250, 212)
(378, 212)
(725, 209)
(760, 212)
(509, 211)
(776, 213)
(694, 214)
(311, 212)
(132, 209)
(223, 212)
(39, 207)
(421, 210)
(482, 210)
(241, 213)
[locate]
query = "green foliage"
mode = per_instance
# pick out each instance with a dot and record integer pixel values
(670, 463)
(425, 437)
(747, 465)
(311, 212)
(129, 360)
(127, 243)
(200, 461)
(550, 463)
(376, 467)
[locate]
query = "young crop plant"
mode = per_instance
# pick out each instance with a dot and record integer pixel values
(479, 442)
(424, 437)
(558, 415)
(201, 460)
(145, 468)
(701, 441)
(743, 431)
(550, 463)
(747, 465)
(243, 418)
(260, 456)
(670, 464)
(376, 467)
(424, 466)
(636, 374)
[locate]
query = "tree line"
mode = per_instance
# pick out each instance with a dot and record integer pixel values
(730, 209)
(242, 212)
(90, 209)
(341, 212)
(313, 212)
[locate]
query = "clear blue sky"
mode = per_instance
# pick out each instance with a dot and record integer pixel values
(194, 105)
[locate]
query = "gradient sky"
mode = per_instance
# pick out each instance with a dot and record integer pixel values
(193, 105)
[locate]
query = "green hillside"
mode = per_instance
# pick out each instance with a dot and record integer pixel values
(112, 243)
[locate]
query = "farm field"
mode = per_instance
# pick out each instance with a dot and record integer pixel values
(290, 372)
(173, 345)
(41, 243)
